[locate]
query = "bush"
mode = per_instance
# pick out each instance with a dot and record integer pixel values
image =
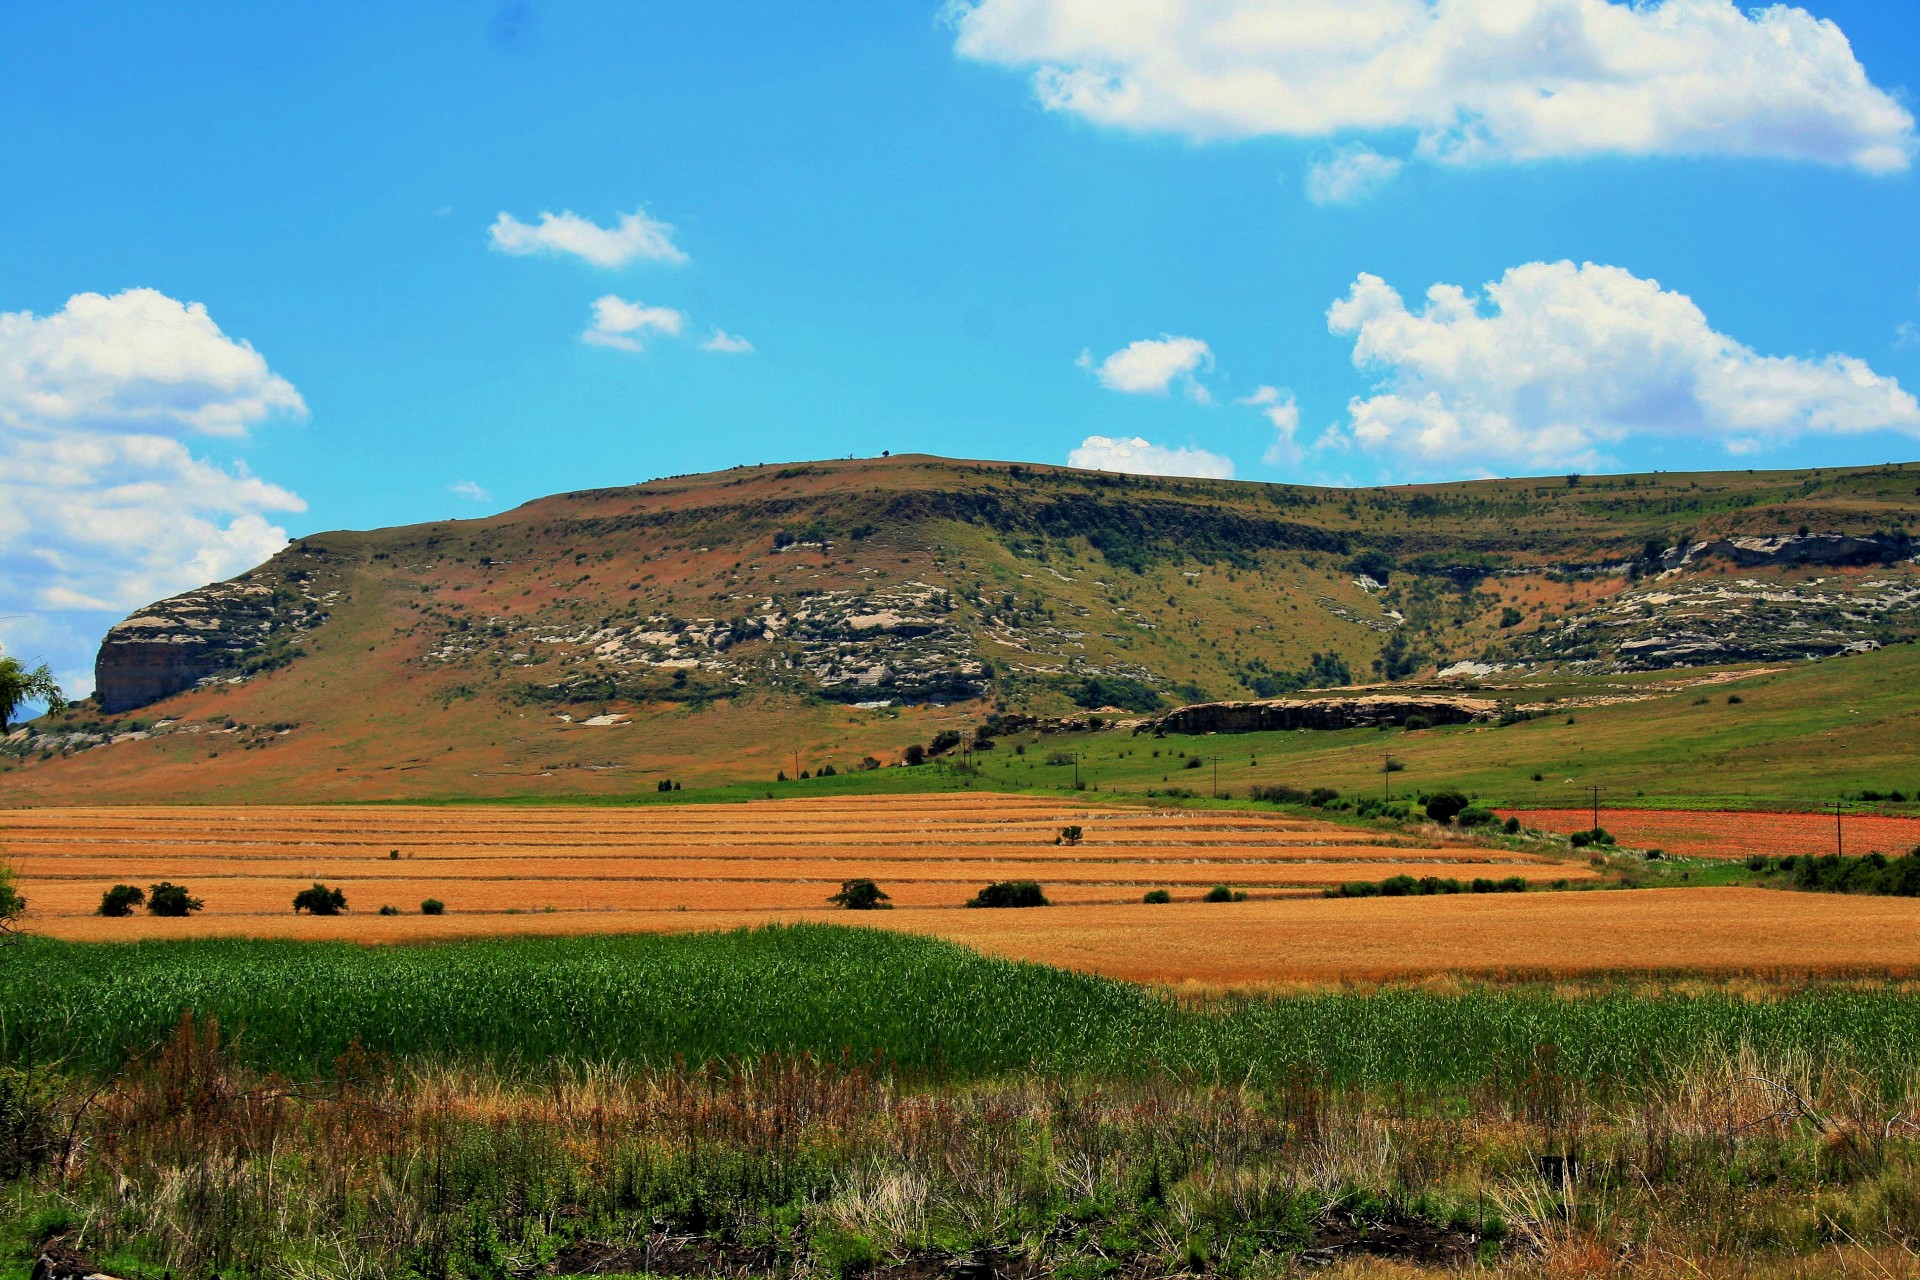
(1115, 691)
(1157, 895)
(1511, 826)
(1417, 722)
(1444, 806)
(1399, 887)
(1475, 816)
(860, 895)
(827, 771)
(665, 784)
(169, 899)
(1757, 862)
(433, 907)
(1279, 795)
(1009, 893)
(121, 900)
(1875, 874)
(389, 910)
(915, 755)
(1219, 893)
(1068, 835)
(943, 742)
(1321, 797)
(320, 901)
(1193, 762)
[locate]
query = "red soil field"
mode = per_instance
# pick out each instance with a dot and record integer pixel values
(1693, 833)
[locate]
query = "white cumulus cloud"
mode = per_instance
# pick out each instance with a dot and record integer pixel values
(135, 361)
(634, 235)
(1140, 457)
(1151, 365)
(1556, 362)
(627, 325)
(1477, 81)
(103, 508)
(727, 343)
(1350, 175)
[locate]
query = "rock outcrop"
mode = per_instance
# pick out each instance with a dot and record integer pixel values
(1812, 548)
(1356, 712)
(229, 629)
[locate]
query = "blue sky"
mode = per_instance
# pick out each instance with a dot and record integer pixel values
(938, 229)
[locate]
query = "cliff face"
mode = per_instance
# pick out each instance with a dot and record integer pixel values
(228, 630)
(1357, 712)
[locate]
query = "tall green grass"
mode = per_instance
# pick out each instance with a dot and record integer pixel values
(924, 1008)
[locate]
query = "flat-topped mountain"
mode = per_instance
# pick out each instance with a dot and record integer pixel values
(723, 622)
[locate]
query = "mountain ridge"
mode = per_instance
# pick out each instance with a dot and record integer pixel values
(825, 602)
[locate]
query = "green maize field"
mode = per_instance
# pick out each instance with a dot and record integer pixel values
(923, 1009)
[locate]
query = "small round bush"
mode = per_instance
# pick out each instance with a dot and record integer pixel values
(1512, 826)
(169, 899)
(860, 895)
(1157, 895)
(1475, 816)
(389, 909)
(121, 900)
(433, 907)
(1443, 806)
(320, 901)
(1010, 893)
(1219, 893)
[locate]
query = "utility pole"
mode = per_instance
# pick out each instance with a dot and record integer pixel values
(1839, 844)
(1596, 807)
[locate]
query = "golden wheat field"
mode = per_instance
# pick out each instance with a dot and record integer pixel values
(580, 870)
(927, 853)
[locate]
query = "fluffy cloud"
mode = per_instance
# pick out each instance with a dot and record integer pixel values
(1278, 407)
(135, 361)
(1476, 80)
(727, 343)
(1151, 365)
(471, 490)
(1139, 457)
(102, 507)
(1351, 175)
(635, 235)
(626, 325)
(1556, 362)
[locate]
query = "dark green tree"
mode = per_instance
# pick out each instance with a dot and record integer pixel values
(18, 686)
(320, 901)
(860, 895)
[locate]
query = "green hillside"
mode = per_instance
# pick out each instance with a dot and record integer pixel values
(712, 628)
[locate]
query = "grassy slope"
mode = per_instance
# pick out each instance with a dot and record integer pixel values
(378, 720)
(1798, 737)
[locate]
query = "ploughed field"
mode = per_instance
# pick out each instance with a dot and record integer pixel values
(1709, 834)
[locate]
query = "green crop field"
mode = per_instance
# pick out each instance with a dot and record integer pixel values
(928, 1009)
